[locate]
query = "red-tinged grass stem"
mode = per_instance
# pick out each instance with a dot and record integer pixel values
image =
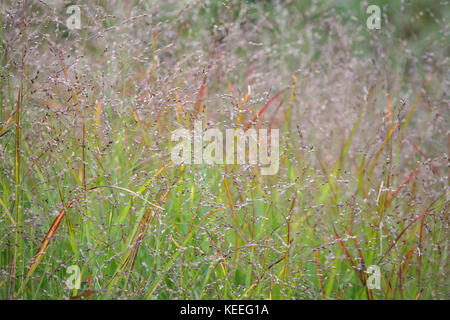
(251, 123)
(404, 230)
(319, 273)
(399, 188)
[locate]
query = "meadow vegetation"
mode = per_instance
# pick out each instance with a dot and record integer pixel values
(86, 177)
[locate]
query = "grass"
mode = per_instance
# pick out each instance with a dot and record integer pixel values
(86, 177)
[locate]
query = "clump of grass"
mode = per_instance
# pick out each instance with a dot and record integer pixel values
(363, 176)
